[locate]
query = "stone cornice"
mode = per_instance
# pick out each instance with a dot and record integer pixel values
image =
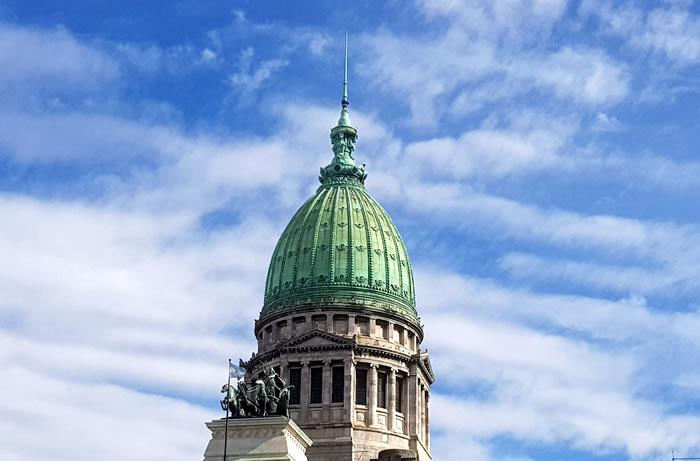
(330, 304)
(359, 344)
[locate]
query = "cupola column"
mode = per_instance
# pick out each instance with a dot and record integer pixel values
(327, 386)
(284, 370)
(372, 403)
(305, 392)
(427, 420)
(351, 324)
(421, 412)
(413, 403)
(391, 403)
(349, 391)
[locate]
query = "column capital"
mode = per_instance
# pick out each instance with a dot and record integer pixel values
(327, 363)
(305, 363)
(373, 365)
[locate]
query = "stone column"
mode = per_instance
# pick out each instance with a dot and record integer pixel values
(372, 327)
(390, 331)
(406, 404)
(412, 402)
(305, 392)
(309, 326)
(284, 370)
(421, 403)
(427, 419)
(349, 391)
(330, 328)
(372, 402)
(274, 337)
(327, 387)
(391, 400)
(351, 324)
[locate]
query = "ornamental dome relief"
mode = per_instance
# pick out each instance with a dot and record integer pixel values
(341, 243)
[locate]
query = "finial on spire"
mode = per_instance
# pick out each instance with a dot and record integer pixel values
(344, 115)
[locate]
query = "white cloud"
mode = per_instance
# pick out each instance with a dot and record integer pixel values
(517, 20)
(606, 123)
(78, 135)
(208, 55)
(444, 293)
(74, 420)
(588, 76)
(39, 59)
(623, 278)
(552, 369)
(250, 77)
(525, 144)
(660, 241)
(672, 31)
(456, 72)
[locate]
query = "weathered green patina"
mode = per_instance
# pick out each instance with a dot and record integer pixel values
(341, 245)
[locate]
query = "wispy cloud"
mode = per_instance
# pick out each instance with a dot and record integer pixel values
(251, 76)
(670, 30)
(38, 59)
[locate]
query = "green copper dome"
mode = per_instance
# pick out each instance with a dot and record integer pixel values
(341, 246)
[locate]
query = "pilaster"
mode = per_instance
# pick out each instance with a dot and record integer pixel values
(305, 392)
(349, 395)
(372, 401)
(327, 388)
(284, 370)
(413, 403)
(427, 420)
(351, 324)
(391, 400)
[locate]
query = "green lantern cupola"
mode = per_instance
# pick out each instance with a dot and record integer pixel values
(341, 246)
(343, 138)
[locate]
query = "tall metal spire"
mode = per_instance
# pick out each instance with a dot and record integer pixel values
(344, 115)
(345, 101)
(342, 169)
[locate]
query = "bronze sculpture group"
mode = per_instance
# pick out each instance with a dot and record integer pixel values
(267, 396)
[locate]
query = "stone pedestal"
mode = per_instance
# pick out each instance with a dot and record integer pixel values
(275, 438)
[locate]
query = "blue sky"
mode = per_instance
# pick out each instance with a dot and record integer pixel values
(539, 158)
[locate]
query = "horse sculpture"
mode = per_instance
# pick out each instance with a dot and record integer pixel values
(230, 402)
(263, 397)
(283, 401)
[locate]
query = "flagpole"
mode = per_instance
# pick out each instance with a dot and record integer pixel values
(227, 394)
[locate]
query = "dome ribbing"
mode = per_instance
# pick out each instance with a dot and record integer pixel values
(341, 244)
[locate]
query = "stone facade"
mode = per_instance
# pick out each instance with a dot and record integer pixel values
(364, 383)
